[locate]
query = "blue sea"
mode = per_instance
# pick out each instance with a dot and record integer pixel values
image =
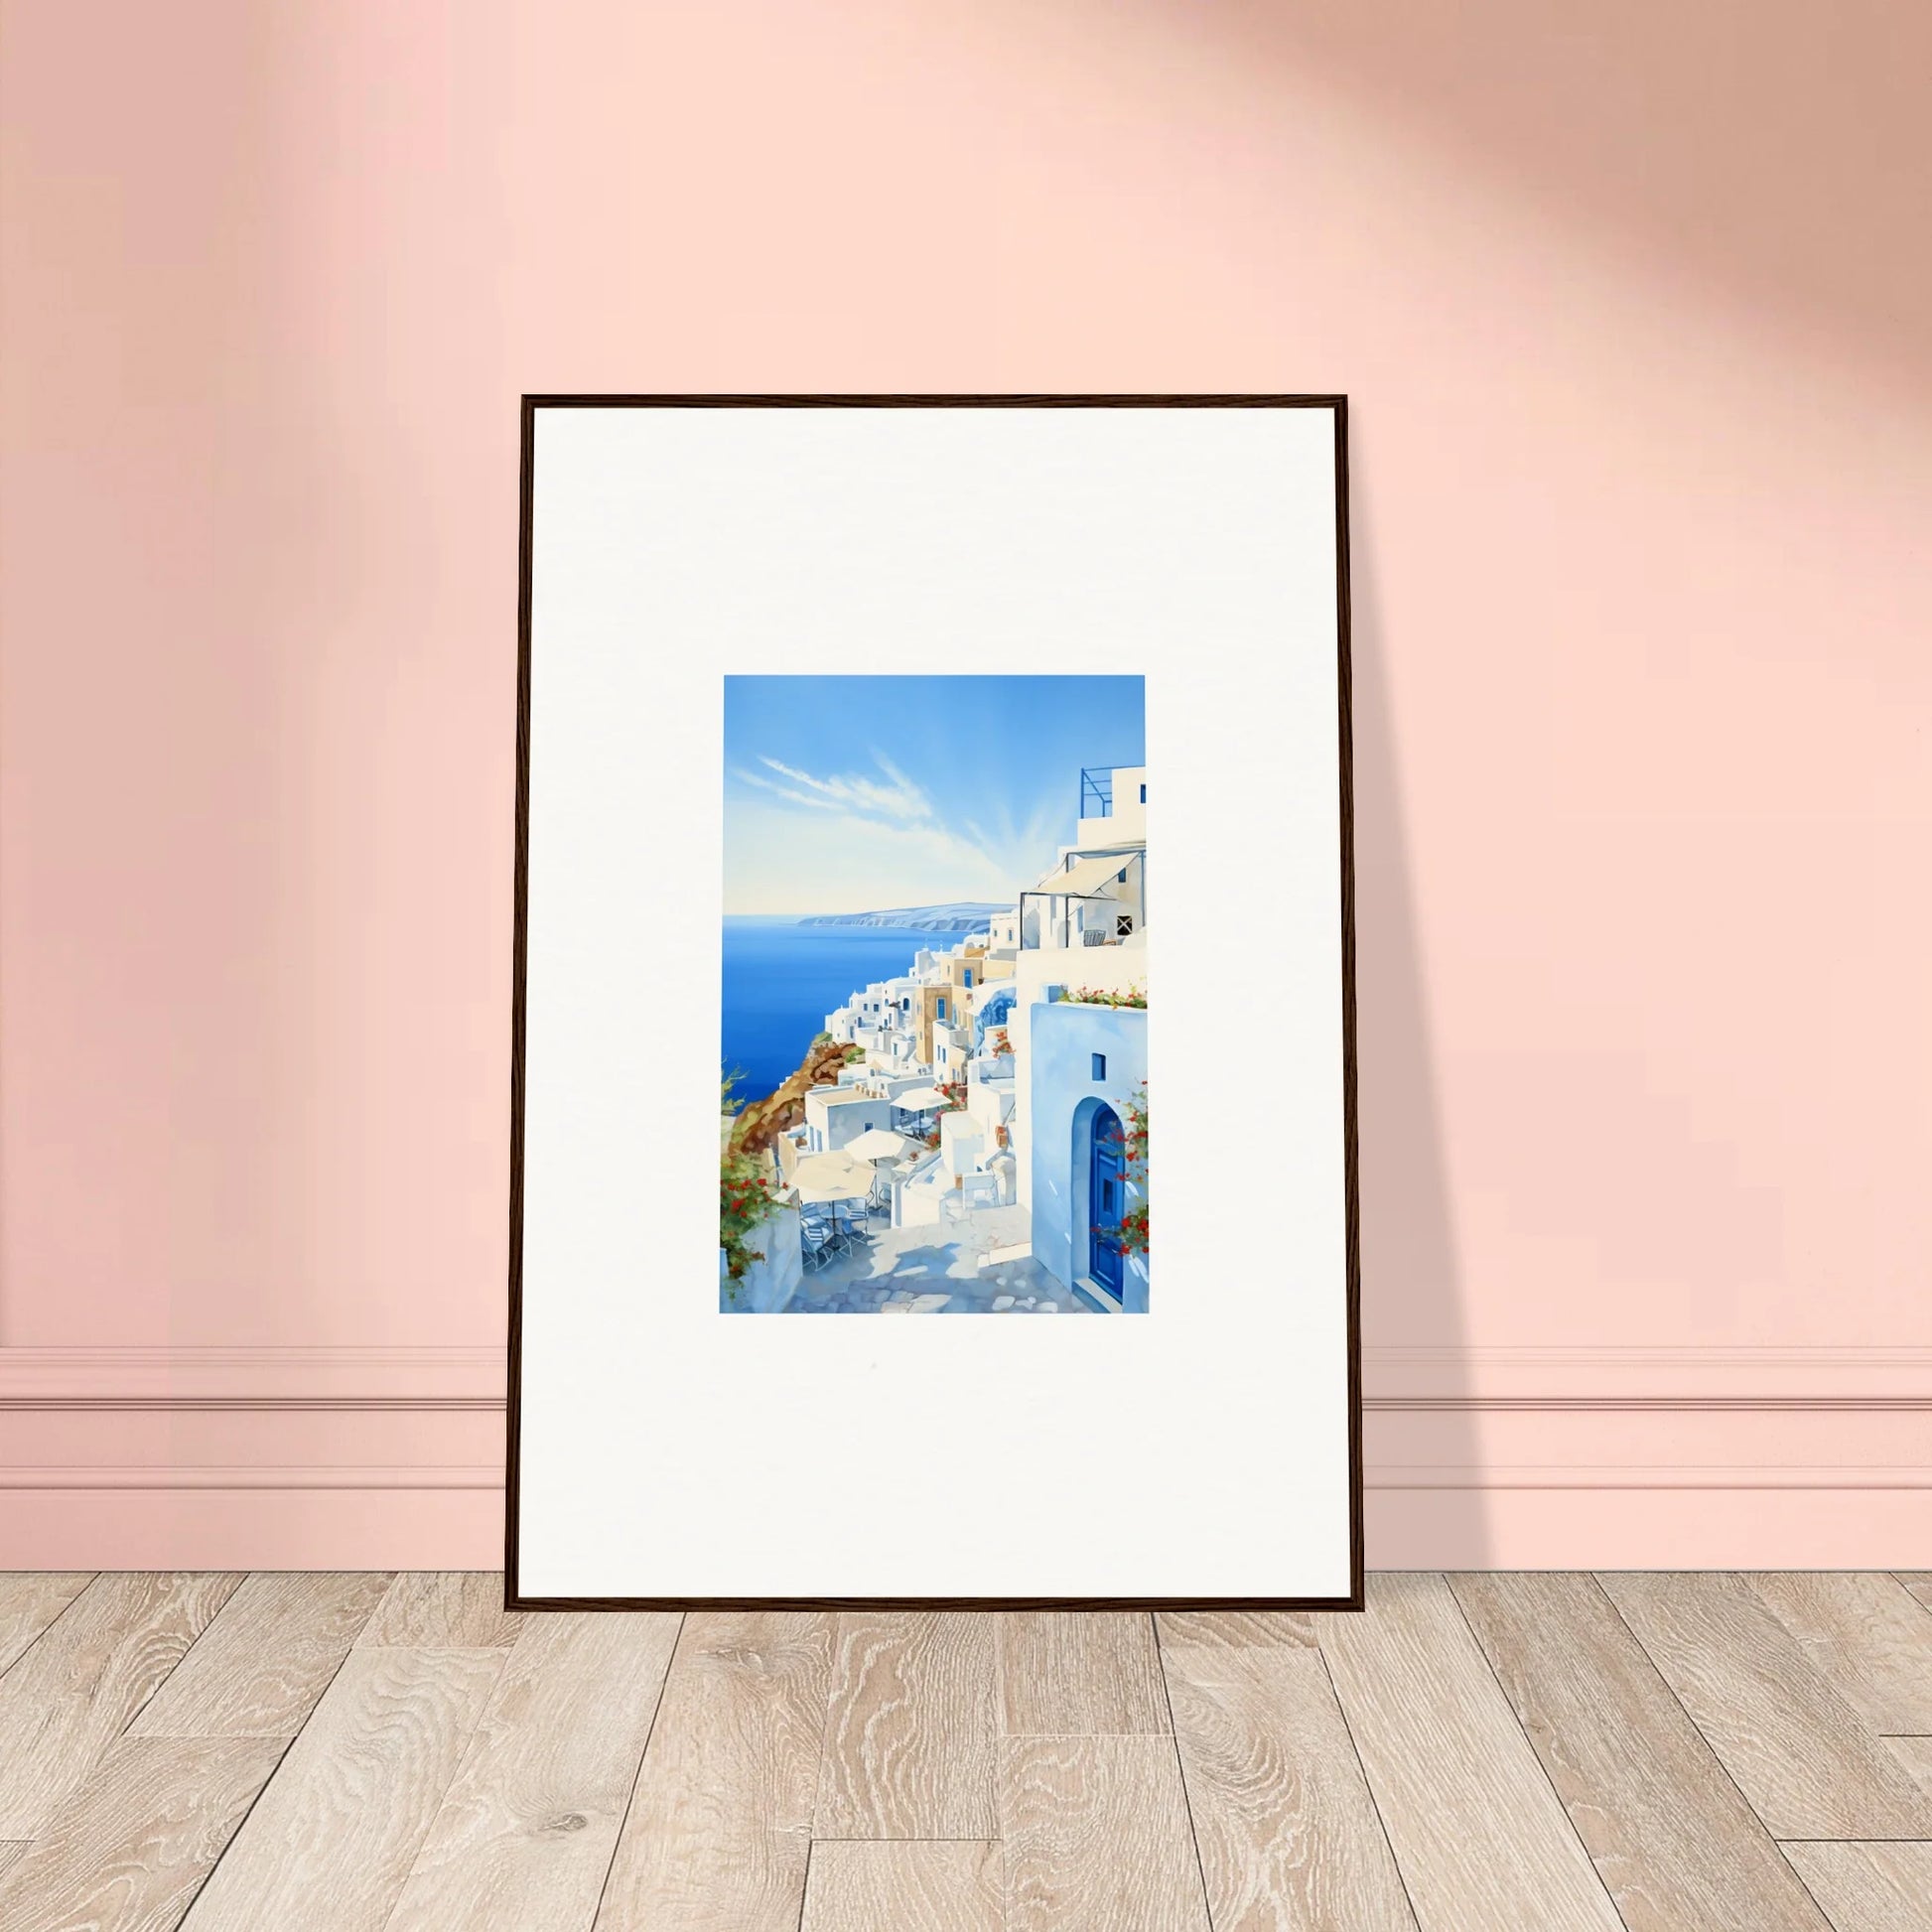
(781, 979)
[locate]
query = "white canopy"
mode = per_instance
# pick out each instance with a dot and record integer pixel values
(831, 1176)
(921, 1100)
(1084, 877)
(878, 1144)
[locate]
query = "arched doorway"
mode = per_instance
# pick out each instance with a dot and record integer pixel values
(1106, 1198)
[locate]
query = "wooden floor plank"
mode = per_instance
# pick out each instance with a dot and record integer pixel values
(330, 1843)
(910, 1736)
(1677, 1846)
(76, 1689)
(495, 1783)
(1287, 1831)
(1915, 1753)
(1866, 1636)
(1798, 1752)
(1868, 1888)
(128, 1851)
(525, 1833)
(30, 1601)
(1237, 1629)
(1079, 1673)
(257, 1670)
(1478, 1833)
(903, 1885)
(718, 1827)
(433, 1609)
(1096, 1836)
(1919, 1583)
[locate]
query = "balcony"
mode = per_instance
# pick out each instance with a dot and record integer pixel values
(1078, 926)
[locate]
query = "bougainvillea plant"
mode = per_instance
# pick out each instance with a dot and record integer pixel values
(745, 1200)
(1087, 996)
(998, 1041)
(745, 1196)
(1130, 1233)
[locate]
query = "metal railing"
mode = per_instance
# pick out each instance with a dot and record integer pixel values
(1096, 791)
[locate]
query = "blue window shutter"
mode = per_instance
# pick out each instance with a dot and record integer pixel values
(1144, 795)
(1100, 1066)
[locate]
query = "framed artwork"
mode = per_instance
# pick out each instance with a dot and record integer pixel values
(910, 789)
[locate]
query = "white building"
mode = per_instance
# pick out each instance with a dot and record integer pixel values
(952, 1047)
(1086, 1071)
(835, 1115)
(1051, 1076)
(1082, 926)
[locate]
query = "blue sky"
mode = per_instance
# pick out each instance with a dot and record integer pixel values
(850, 795)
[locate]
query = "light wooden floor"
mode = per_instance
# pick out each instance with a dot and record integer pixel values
(275, 1752)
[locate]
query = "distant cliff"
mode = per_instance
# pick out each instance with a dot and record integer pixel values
(962, 916)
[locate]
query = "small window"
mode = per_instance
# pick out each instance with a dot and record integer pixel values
(942, 1009)
(1144, 795)
(1100, 1066)
(969, 973)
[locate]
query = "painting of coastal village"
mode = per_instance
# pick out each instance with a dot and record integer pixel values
(934, 1057)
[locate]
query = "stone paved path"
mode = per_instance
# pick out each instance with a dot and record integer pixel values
(937, 1271)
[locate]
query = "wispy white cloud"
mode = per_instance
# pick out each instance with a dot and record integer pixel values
(785, 791)
(801, 842)
(918, 805)
(899, 799)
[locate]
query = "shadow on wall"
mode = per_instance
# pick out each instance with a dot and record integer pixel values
(1776, 151)
(1412, 1280)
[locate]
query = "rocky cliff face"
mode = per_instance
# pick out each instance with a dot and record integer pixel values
(762, 1120)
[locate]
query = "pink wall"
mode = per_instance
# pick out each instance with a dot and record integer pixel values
(1635, 310)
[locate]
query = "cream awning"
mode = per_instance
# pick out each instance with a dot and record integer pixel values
(1084, 877)
(878, 1144)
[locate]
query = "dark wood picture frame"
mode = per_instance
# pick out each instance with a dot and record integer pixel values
(514, 1598)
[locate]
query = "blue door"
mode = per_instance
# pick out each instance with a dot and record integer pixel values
(1107, 1198)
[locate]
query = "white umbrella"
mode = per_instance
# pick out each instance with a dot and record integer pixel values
(921, 1100)
(879, 1144)
(825, 1178)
